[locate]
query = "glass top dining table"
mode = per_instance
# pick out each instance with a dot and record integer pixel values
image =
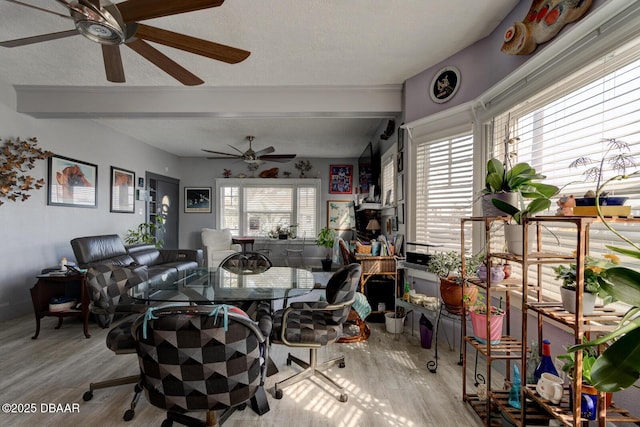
(219, 286)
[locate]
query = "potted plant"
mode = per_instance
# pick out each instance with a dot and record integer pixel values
(479, 318)
(453, 288)
(618, 366)
(618, 159)
(325, 239)
(146, 233)
(593, 267)
(589, 392)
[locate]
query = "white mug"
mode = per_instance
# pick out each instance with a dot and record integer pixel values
(550, 387)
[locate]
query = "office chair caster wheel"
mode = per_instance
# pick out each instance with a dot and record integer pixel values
(128, 415)
(344, 398)
(166, 423)
(87, 396)
(279, 394)
(341, 365)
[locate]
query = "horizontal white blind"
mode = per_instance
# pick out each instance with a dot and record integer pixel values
(444, 193)
(307, 211)
(577, 117)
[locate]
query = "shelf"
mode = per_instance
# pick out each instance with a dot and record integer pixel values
(603, 319)
(535, 414)
(508, 348)
(480, 408)
(562, 411)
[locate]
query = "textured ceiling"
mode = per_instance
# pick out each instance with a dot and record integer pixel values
(298, 43)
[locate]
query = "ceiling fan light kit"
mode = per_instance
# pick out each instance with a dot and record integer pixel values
(113, 25)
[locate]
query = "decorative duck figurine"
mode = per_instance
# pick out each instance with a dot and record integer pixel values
(544, 20)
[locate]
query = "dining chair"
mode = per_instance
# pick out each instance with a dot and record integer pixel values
(316, 324)
(246, 263)
(108, 286)
(199, 358)
(295, 250)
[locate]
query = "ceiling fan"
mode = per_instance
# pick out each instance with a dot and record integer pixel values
(112, 25)
(251, 156)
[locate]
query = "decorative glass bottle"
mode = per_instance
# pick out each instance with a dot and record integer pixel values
(546, 363)
(532, 363)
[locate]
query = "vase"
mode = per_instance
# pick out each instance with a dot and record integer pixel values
(451, 294)
(489, 210)
(589, 401)
(569, 301)
(479, 325)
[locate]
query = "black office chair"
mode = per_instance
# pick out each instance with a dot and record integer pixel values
(246, 263)
(108, 287)
(316, 324)
(199, 358)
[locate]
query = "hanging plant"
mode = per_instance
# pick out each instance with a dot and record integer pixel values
(16, 158)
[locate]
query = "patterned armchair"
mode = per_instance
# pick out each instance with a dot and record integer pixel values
(246, 263)
(224, 369)
(108, 286)
(316, 324)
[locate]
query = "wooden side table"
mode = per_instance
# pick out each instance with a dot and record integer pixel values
(51, 285)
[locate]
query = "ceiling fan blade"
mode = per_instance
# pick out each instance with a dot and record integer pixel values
(139, 10)
(113, 63)
(228, 54)
(39, 8)
(224, 158)
(220, 152)
(241, 152)
(163, 62)
(265, 151)
(280, 158)
(38, 39)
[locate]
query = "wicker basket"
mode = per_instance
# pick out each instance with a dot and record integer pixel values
(363, 249)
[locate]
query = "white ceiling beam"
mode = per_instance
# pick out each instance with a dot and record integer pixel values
(143, 102)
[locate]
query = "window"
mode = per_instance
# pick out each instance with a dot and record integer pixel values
(388, 176)
(255, 207)
(575, 118)
(444, 190)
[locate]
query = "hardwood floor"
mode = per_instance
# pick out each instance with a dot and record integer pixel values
(386, 379)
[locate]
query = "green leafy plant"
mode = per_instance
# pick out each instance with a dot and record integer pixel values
(146, 233)
(16, 158)
(539, 200)
(589, 357)
(449, 264)
(618, 366)
(501, 178)
(325, 238)
(480, 307)
(593, 270)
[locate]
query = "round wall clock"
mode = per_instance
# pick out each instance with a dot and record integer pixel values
(444, 84)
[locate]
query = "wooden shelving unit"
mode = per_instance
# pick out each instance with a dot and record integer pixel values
(535, 409)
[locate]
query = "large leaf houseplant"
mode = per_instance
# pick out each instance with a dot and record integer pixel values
(325, 239)
(618, 366)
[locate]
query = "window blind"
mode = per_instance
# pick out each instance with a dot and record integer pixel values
(577, 117)
(388, 176)
(444, 192)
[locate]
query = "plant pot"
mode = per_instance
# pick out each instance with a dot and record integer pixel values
(589, 401)
(489, 210)
(394, 323)
(326, 264)
(604, 201)
(569, 301)
(451, 294)
(513, 236)
(479, 325)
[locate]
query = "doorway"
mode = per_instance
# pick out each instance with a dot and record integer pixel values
(164, 198)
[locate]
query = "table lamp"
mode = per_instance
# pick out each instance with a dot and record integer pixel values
(373, 225)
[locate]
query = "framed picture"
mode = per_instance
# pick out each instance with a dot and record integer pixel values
(141, 182)
(400, 138)
(197, 199)
(401, 213)
(72, 183)
(400, 188)
(400, 162)
(122, 191)
(444, 85)
(340, 179)
(341, 215)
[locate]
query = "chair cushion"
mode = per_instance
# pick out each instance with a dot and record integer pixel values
(337, 284)
(120, 339)
(306, 327)
(107, 285)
